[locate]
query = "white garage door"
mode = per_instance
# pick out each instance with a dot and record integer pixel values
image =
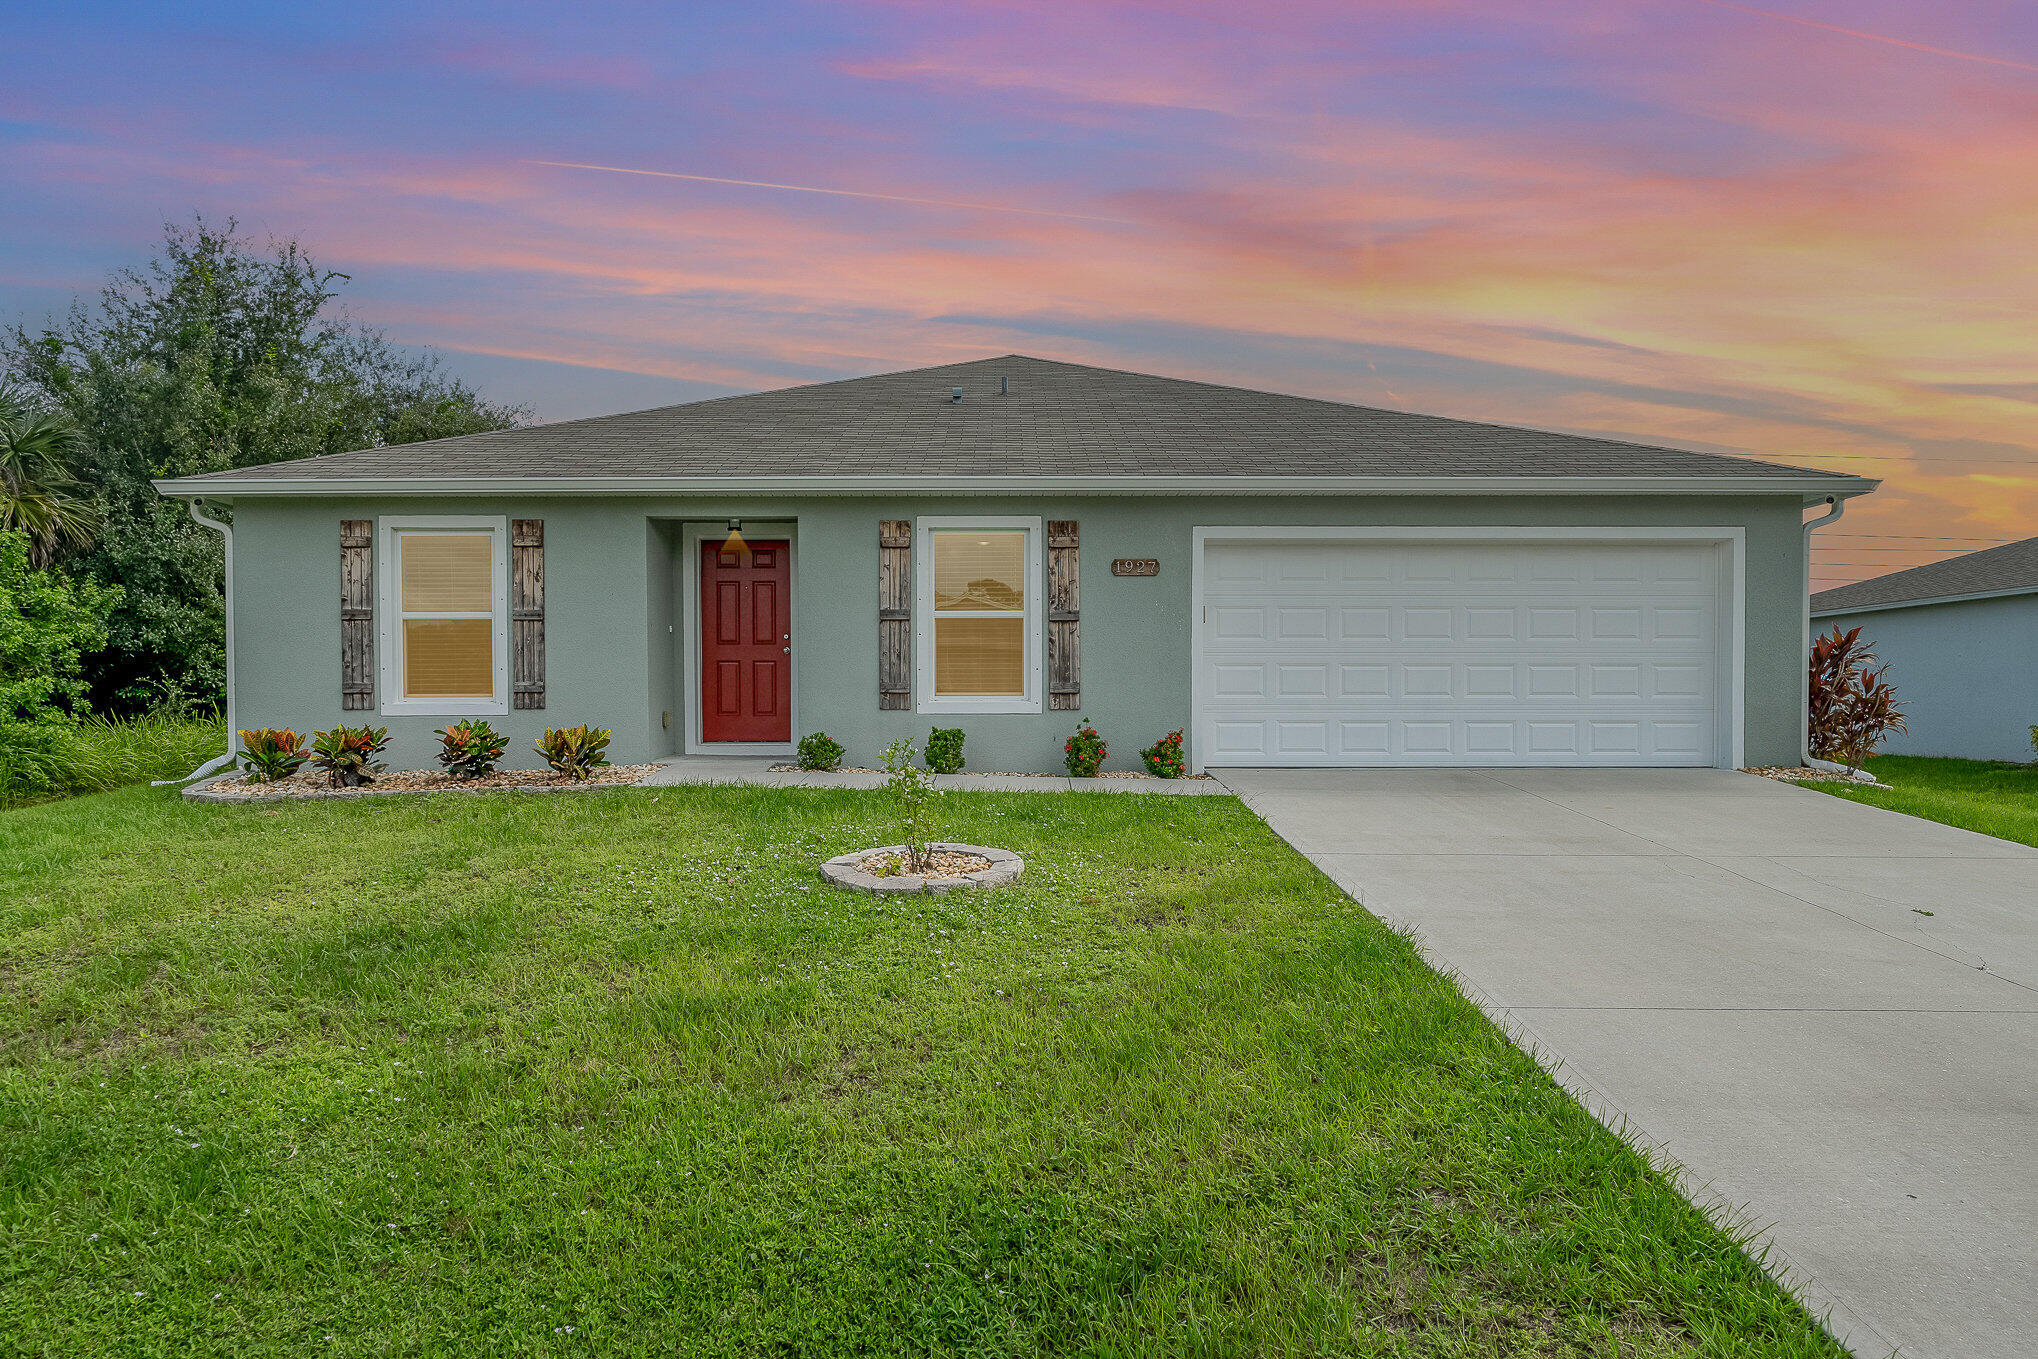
(1461, 652)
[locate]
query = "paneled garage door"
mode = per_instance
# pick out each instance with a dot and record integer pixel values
(1461, 652)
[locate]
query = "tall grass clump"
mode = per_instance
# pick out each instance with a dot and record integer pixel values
(47, 761)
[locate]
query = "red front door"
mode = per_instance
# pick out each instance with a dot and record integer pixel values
(746, 643)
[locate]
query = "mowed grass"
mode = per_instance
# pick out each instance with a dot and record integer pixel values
(614, 1073)
(1978, 795)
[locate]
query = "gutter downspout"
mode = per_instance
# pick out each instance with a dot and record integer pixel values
(226, 534)
(1804, 707)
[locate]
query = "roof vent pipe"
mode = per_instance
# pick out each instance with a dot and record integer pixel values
(955, 393)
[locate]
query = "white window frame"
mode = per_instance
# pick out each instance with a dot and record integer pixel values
(923, 610)
(389, 604)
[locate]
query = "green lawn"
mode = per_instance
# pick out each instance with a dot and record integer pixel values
(1978, 795)
(615, 1074)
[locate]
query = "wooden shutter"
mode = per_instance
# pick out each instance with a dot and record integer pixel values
(894, 614)
(357, 615)
(1064, 610)
(527, 612)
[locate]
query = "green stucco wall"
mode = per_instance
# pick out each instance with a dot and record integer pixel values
(612, 571)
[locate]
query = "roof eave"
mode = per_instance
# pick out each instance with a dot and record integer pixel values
(1884, 607)
(1812, 486)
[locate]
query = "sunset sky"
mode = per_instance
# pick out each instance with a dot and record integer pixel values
(1807, 230)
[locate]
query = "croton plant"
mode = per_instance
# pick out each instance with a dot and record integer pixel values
(470, 749)
(347, 754)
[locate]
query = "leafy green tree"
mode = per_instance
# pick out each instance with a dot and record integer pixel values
(48, 625)
(216, 354)
(41, 495)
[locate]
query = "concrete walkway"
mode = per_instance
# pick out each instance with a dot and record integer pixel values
(1828, 1013)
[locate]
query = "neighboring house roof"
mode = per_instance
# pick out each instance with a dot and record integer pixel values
(2011, 569)
(1060, 422)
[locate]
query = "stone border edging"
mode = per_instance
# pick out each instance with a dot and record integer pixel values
(843, 870)
(201, 791)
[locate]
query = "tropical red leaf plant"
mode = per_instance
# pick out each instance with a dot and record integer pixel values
(1853, 705)
(347, 754)
(470, 749)
(268, 754)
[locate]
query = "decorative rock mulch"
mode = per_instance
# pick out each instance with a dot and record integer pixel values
(1801, 774)
(310, 783)
(953, 866)
(993, 773)
(941, 863)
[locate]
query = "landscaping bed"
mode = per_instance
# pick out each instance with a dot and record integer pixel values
(618, 1075)
(1798, 773)
(991, 773)
(941, 863)
(946, 867)
(309, 782)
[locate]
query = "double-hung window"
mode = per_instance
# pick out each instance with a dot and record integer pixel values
(979, 615)
(445, 615)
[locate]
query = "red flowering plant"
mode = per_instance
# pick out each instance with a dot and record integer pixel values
(1084, 752)
(1164, 757)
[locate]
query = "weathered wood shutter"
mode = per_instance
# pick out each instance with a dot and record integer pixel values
(357, 615)
(1064, 610)
(527, 612)
(894, 614)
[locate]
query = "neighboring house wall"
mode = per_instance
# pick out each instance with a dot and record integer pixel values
(1966, 674)
(612, 569)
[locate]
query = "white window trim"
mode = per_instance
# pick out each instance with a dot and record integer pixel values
(389, 619)
(923, 609)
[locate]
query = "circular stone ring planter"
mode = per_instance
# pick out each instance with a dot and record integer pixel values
(845, 870)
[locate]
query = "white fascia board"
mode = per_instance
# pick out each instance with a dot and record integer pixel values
(227, 486)
(1925, 603)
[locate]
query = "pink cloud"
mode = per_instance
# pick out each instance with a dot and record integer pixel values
(1731, 232)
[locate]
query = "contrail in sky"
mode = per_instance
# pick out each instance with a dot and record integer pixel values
(837, 193)
(1874, 37)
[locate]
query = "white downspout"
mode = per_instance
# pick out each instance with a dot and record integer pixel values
(1804, 707)
(226, 534)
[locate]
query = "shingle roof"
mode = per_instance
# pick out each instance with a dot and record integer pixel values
(1062, 419)
(1991, 571)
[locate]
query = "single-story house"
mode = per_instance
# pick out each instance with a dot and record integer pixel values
(1013, 545)
(1960, 638)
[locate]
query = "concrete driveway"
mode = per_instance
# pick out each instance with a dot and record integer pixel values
(1826, 1012)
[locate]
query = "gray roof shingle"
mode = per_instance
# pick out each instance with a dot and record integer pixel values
(1993, 570)
(1060, 418)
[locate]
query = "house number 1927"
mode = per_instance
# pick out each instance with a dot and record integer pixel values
(1136, 566)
